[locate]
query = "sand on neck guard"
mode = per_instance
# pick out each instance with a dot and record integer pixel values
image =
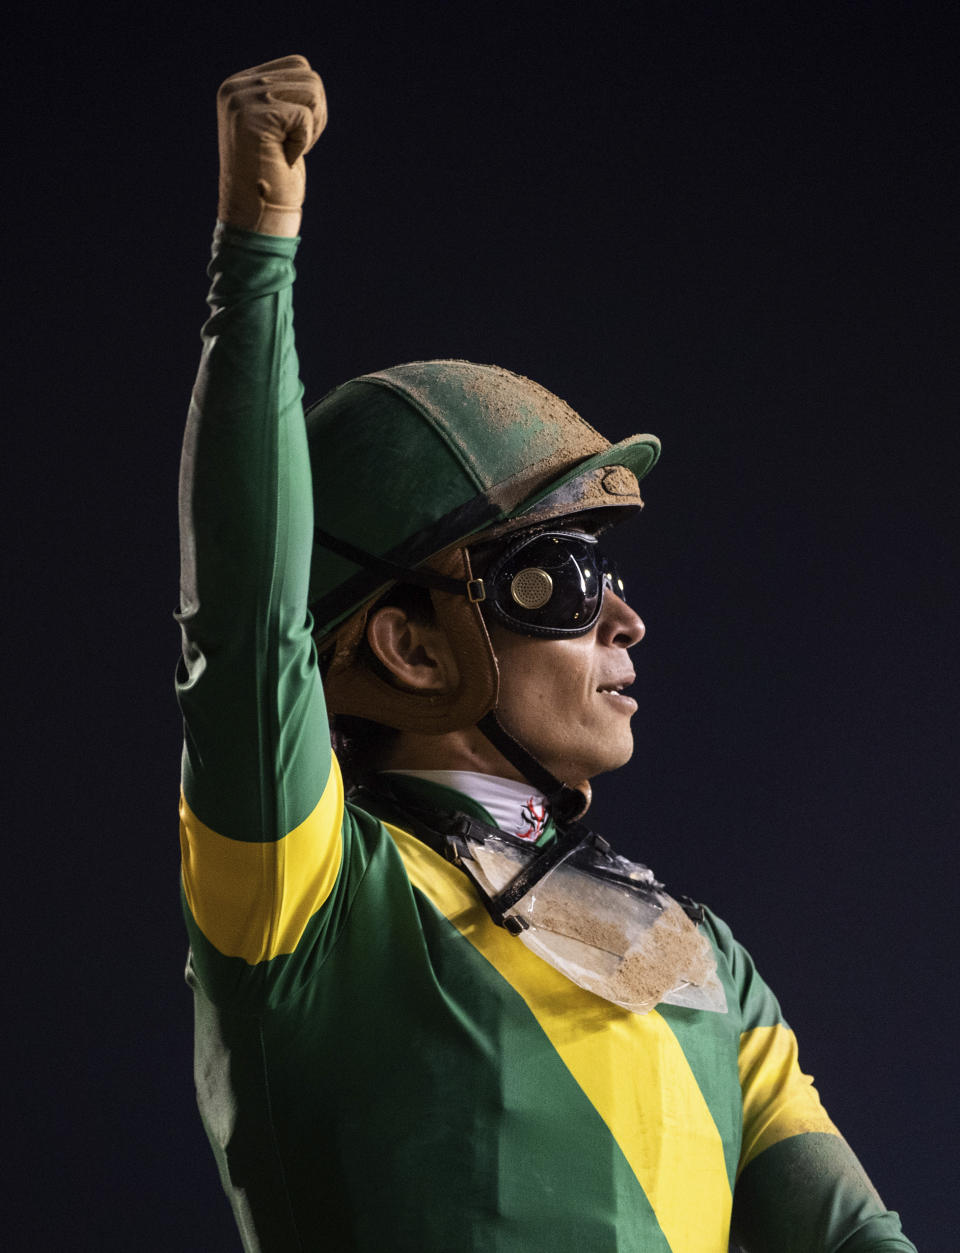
(668, 954)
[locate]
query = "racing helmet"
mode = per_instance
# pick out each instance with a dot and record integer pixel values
(411, 467)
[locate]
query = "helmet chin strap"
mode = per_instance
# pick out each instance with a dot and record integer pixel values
(565, 803)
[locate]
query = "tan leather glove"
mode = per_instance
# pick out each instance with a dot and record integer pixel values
(268, 117)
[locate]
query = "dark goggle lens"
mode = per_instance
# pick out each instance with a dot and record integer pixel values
(552, 584)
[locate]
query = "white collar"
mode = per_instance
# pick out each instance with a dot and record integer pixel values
(516, 808)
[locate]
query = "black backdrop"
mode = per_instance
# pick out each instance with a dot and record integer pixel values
(733, 225)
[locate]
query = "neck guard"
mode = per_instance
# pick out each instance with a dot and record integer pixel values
(601, 920)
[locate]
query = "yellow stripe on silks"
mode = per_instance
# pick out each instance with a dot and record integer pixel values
(254, 900)
(630, 1067)
(779, 1101)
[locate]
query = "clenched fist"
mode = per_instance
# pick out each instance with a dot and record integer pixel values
(268, 118)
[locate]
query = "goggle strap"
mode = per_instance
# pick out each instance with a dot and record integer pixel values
(473, 589)
(565, 803)
(564, 846)
(447, 834)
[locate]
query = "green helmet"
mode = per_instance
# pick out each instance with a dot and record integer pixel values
(410, 463)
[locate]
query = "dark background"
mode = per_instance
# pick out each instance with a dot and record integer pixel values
(733, 225)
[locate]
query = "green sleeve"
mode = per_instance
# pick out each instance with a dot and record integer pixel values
(799, 1189)
(261, 807)
(809, 1193)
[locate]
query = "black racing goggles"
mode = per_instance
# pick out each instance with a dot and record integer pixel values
(550, 583)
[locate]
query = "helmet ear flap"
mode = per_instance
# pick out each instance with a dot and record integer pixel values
(355, 689)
